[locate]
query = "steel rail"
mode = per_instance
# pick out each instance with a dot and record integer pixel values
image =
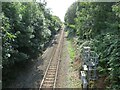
(55, 55)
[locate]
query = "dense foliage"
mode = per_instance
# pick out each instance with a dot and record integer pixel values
(98, 25)
(26, 29)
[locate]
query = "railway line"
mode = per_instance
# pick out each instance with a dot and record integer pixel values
(50, 76)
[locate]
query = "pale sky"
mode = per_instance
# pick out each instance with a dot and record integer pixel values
(59, 7)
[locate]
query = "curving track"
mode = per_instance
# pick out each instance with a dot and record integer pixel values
(50, 76)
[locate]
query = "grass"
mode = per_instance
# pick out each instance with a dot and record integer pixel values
(73, 79)
(71, 50)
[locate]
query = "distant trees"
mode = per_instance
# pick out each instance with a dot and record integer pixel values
(70, 18)
(98, 24)
(71, 13)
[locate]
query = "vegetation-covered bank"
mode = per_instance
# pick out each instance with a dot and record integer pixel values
(74, 63)
(97, 24)
(26, 29)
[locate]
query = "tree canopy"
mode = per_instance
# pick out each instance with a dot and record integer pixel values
(26, 29)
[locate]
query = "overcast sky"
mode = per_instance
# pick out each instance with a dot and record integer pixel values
(59, 7)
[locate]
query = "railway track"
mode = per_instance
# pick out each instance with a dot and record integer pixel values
(50, 76)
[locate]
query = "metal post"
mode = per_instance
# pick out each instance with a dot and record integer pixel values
(90, 59)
